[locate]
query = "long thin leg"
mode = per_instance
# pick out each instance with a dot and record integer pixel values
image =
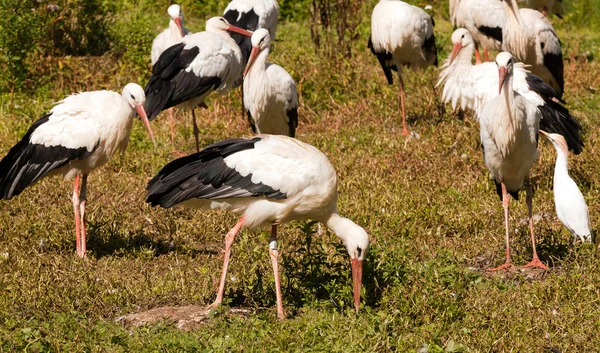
(228, 241)
(486, 54)
(536, 260)
(76, 185)
(243, 110)
(82, 202)
(274, 253)
(404, 129)
(196, 131)
(172, 123)
(477, 56)
(505, 200)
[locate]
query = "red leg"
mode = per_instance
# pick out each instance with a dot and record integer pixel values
(477, 56)
(172, 123)
(404, 129)
(274, 260)
(76, 211)
(505, 200)
(196, 131)
(536, 260)
(228, 241)
(82, 202)
(486, 56)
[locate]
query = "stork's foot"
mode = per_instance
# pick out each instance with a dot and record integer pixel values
(506, 266)
(405, 131)
(536, 263)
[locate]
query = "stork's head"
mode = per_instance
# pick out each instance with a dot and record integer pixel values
(220, 24)
(261, 39)
(558, 141)
(461, 38)
(134, 95)
(505, 62)
(176, 15)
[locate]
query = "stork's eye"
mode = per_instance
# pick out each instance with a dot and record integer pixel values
(358, 250)
(462, 36)
(132, 97)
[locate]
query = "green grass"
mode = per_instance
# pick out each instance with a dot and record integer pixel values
(428, 204)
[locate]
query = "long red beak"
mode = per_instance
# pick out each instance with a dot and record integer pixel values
(253, 55)
(142, 113)
(357, 266)
(455, 50)
(239, 30)
(179, 26)
(502, 71)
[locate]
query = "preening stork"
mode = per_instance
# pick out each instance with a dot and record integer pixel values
(531, 39)
(270, 94)
(401, 35)
(473, 86)
(167, 38)
(252, 15)
(509, 133)
(484, 19)
(79, 134)
(547, 7)
(269, 180)
(186, 73)
(570, 205)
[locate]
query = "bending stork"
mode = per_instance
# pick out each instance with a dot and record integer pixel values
(186, 73)
(509, 133)
(401, 35)
(269, 180)
(79, 134)
(270, 94)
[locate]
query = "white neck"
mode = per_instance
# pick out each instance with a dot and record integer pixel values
(562, 164)
(174, 29)
(259, 65)
(345, 229)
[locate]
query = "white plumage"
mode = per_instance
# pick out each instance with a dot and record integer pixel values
(484, 19)
(571, 208)
(81, 133)
(531, 39)
(269, 180)
(270, 94)
(402, 35)
(170, 36)
(509, 127)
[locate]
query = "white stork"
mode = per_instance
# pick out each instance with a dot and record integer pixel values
(484, 19)
(186, 73)
(79, 134)
(270, 94)
(269, 180)
(547, 7)
(252, 15)
(531, 39)
(570, 205)
(473, 86)
(401, 35)
(509, 132)
(167, 38)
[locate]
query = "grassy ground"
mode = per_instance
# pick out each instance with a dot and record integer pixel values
(427, 202)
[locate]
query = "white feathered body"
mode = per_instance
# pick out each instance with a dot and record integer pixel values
(269, 93)
(295, 168)
(474, 14)
(166, 39)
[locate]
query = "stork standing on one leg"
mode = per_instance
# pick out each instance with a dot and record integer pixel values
(509, 135)
(165, 39)
(401, 35)
(270, 94)
(186, 73)
(79, 134)
(269, 180)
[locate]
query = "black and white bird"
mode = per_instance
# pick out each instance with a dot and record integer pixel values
(401, 35)
(270, 94)
(252, 15)
(473, 86)
(269, 180)
(571, 208)
(509, 134)
(547, 7)
(186, 73)
(167, 38)
(79, 134)
(484, 19)
(531, 39)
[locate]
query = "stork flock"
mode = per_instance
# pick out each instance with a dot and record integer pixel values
(273, 178)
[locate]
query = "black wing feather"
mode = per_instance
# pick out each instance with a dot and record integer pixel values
(292, 115)
(27, 163)
(554, 63)
(386, 62)
(491, 32)
(247, 20)
(204, 175)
